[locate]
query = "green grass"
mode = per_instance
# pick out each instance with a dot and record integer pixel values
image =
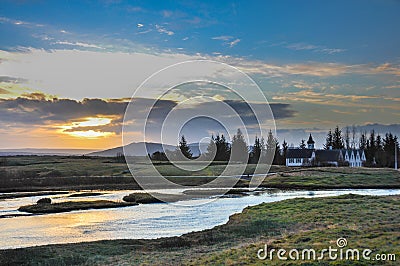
(32, 173)
(342, 177)
(365, 221)
(72, 206)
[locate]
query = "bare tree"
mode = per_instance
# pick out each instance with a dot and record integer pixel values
(347, 138)
(353, 137)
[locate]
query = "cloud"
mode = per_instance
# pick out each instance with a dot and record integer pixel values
(222, 38)
(81, 44)
(228, 40)
(20, 22)
(343, 100)
(162, 30)
(7, 79)
(315, 48)
(135, 9)
(167, 13)
(233, 43)
(39, 109)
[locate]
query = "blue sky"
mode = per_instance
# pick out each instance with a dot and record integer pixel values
(283, 31)
(330, 62)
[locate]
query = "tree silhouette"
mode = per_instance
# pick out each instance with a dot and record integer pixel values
(184, 148)
(239, 150)
(337, 139)
(303, 144)
(256, 151)
(329, 141)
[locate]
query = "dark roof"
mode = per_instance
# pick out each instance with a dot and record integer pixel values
(299, 153)
(327, 155)
(310, 140)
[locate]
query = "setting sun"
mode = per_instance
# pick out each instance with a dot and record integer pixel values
(76, 129)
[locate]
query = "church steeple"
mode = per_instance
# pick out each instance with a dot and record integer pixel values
(310, 142)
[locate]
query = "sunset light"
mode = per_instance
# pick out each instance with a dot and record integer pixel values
(77, 129)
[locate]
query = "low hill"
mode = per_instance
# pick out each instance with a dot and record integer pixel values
(143, 148)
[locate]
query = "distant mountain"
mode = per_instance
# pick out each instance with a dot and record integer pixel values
(143, 148)
(42, 152)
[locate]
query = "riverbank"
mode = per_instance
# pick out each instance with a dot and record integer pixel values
(284, 178)
(334, 178)
(365, 221)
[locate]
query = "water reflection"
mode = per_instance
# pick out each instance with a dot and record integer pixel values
(143, 221)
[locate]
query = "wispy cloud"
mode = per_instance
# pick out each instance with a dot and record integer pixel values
(222, 38)
(314, 48)
(343, 100)
(19, 22)
(234, 43)
(227, 39)
(163, 30)
(80, 44)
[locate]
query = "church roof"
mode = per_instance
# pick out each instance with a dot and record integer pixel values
(310, 140)
(299, 153)
(327, 155)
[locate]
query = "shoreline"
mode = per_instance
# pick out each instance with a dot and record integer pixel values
(242, 230)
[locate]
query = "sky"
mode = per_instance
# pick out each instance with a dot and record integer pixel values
(69, 68)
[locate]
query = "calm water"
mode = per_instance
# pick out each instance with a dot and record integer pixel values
(143, 221)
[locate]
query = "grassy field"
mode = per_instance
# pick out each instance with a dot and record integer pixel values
(37, 173)
(365, 221)
(331, 177)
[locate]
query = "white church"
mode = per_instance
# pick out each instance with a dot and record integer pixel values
(331, 157)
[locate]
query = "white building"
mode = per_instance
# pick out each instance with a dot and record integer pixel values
(330, 157)
(355, 157)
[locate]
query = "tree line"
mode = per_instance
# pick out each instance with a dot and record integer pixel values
(379, 150)
(219, 149)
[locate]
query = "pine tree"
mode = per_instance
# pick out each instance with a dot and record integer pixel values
(363, 141)
(329, 141)
(337, 139)
(284, 151)
(371, 149)
(303, 144)
(184, 148)
(211, 149)
(278, 155)
(256, 150)
(239, 150)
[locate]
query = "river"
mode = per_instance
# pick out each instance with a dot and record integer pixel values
(135, 222)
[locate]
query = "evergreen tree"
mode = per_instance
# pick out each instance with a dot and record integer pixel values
(256, 151)
(371, 149)
(222, 147)
(284, 151)
(337, 139)
(278, 156)
(184, 148)
(239, 150)
(329, 141)
(390, 143)
(303, 144)
(363, 141)
(270, 148)
(211, 149)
